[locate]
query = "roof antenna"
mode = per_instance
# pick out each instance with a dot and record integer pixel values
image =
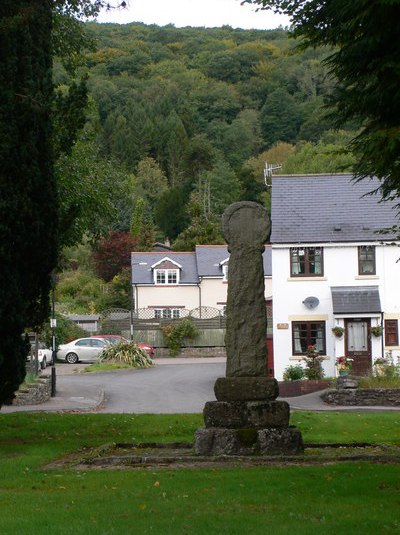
(268, 169)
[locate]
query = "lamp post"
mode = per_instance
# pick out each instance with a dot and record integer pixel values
(53, 325)
(132, 297)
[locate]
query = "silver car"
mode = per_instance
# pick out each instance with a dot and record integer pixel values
(82, 349)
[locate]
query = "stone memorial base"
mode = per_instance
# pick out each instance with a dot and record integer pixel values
(250, 441)
(246, 419)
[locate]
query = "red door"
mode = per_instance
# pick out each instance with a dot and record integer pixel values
(270, 349)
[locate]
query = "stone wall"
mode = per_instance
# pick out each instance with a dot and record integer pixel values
(192, 352)
(385, 397)
(35, 393)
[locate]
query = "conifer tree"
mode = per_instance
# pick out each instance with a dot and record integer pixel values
(28, 200)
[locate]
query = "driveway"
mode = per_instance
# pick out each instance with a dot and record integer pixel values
(164, 389)
(171, 386)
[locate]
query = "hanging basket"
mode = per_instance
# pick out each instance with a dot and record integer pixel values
(338, 331)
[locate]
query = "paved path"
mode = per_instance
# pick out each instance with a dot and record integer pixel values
(179, 385)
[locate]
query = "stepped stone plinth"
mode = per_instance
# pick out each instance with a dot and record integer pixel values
(246, 419)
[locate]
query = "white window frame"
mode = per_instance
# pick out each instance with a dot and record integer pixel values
(166, 277)
(167, 313)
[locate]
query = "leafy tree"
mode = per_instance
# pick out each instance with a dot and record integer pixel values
(79, 292)
(365, 60)
(281, 118)
(28, 200)
(150, 180)
(65, 332)
(93, 193)
(218, 188)
(173, 201)
(112, 254)
(325, 156)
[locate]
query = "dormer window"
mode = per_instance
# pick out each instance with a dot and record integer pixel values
(224, 268)
(166, 272)
(166, 276)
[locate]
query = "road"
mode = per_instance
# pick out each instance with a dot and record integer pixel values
(164, 389)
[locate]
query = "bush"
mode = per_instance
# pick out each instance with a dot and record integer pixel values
(127, 353)
(294, 373)
(313, 362)
(66, 331)
(175, 333)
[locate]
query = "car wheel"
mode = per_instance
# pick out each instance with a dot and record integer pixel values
(71, 358)
(43, 364)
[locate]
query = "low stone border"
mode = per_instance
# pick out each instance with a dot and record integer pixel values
(35, 393)
(289, 389)
(367, 397)
(181, 455)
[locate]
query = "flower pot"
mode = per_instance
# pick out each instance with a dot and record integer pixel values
(343, 373)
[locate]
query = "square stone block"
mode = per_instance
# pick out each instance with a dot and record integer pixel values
(219, 441)
(246, 388)
(246, 414)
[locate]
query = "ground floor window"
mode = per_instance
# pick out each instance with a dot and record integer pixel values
(308, 333)
(391, 333)
(167, 313)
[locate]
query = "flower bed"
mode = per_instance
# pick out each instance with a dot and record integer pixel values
(289, 389)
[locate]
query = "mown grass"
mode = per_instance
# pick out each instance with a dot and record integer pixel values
(333, 499)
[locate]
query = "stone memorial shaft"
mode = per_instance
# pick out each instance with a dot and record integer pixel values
(246, 419)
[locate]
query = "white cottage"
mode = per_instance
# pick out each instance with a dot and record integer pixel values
(332, 269)
(172, 284)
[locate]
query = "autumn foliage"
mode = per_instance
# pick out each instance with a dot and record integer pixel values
(113, 254)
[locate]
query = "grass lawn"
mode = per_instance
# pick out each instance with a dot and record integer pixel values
(351, 498)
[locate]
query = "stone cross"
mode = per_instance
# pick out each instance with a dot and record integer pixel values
(246, 418)
(245, 226)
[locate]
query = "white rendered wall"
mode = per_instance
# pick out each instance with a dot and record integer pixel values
(340, 269)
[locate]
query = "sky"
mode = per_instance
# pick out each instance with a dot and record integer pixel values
(197, 13)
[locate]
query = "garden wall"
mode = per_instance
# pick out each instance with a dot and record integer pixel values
(385, 397)
(35, 393)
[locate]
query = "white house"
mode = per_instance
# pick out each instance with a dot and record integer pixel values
(172, 284)
(331, 268)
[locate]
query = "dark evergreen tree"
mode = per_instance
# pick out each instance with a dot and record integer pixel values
(28, 201)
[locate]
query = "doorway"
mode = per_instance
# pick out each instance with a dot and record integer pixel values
(358, 345)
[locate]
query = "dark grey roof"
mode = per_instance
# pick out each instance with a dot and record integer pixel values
(143, 274)
(209, 258)
(328, 208)
(205, 262)
(355, 299)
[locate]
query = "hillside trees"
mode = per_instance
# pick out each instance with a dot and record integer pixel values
(365, 59)
(189, 98)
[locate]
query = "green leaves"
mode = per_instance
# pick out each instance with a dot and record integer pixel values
(127, 353)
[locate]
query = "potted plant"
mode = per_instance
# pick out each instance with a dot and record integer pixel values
(344, 365)
(377, 330)
(338, 331)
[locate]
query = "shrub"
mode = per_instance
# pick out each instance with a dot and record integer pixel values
(313, 362)
(127, 353)
(294, 373)
(175, 333)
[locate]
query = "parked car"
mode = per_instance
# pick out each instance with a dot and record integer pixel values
(148, 348)
(116, 339)
(83, 349)
(45, 355)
